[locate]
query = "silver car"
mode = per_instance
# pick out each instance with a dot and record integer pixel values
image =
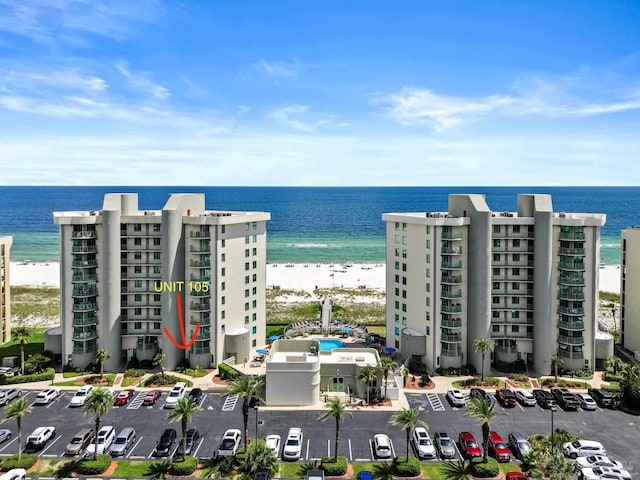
(5, 435)
(519, 444)
(123, 442)
(444, 444)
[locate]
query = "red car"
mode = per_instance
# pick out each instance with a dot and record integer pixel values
(124, 396)
(506, 397)
(468, 445)
(151, 397)
(516, 476)
(498, 448)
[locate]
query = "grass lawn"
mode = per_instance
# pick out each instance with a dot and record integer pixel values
(35, 345)
(127, 469)
(291, 470)
(78, 382)
(74, 374)
(127, 382)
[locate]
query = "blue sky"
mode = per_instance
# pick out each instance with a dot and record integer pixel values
(214, 92)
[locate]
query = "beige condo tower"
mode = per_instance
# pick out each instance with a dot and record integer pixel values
(629, 285)
(525, 280)
(5, 289)
(122, 269)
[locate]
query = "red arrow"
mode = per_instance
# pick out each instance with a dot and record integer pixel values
(182, 345)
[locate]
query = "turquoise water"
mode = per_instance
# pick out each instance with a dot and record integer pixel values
(328, 344)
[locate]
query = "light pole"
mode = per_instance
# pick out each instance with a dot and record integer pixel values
(553, 447)
(255, 407)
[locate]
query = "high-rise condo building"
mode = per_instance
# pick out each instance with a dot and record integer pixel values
(5, 289)
(629, 286)
(128, 276)
(526, 280)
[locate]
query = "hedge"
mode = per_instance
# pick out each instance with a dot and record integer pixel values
(47, 374)
(401, 468)
(549, 382)
(133, 373)
(27, 461)
(89, 466)
(227, 372)
(332, 468)
(168, 380)
(484, 470)
(184, 467)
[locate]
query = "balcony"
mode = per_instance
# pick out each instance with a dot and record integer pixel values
(515, 335)
(451, 251)
(84, 263)
(564, 295)
(200, 234)
(451, 236)
(83, 234)
(450, 338)
(84, 307)
(509, 320)
(202, 321)
(201, 307)
(503, 349)
(200, 264)
(577, 325)
(571, 340)
(571, 311)
(84, 336)
(84, 278)
(197, 279)
(85, 322)
(204, 250)
(195, 293)
(573, 236)
(84, 249)
(456, 352)
(451, 308)
(571, 251)
(451, 279)
(200, 350)
(81, 349)
(451, 265)
(451, 323)
(450, 294)
(84, 292)
(579, 266)
(572, 355)
(570, 280)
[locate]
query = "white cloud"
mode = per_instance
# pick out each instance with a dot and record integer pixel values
(277, 69)
(62, 79)
(141, 81)
(289, 116)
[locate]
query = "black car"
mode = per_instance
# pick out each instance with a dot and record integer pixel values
(545, 399)
(190, 442)
(262, 475)
(480, 393)
(196, 395)
(566, 399)
(603, 398)
(166, 442)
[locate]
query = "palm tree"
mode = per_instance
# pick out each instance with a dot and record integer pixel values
(245, 386)
(336, 409)
(386, 365)
(260, 457)
(15, 411)
(21, 335)
(102, 355)
(383, 470)
(629, 370)
(366, 375)
(185, 409)
(551, 465)
(556, 363)
(158, 360)
(482, 345)
(483, 411)
(407, 419)
(615, 363)
(158, 470)
(98, 403)
(454, 471)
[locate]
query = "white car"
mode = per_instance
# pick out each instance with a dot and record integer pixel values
(597, 461)
(47, 395)
(382, 446)
(273, 444)
(39, 438)
(8, 394)
(526, 398)
(586, 401)
(583, 448)
(178, 391)
(605, 473)
(456, 397)
(230, 443)
(5, 435)
(14, 474)
(81, 396)
(422, 443)
(106, 436)
(6, 371)
(293, 446)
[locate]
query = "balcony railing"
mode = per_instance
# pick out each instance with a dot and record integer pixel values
(571, 281)
(571, 266)
(84, 263)
(84, 292)
(450, 294)
(200, 234)
(85, 335)
(201, 307)
(571, 311)
(84, 278)
(452, 236)
(206, 249)
(202, 321)
(572, 236)
(84, 249)
(452, 279)
(451, 265)
(573, 355)
(200, 264)
(445, 352)
(571, 251)
(564, 295)
(571, 340)
(83, 307)
(200, 350)
(451, 338)
(517, 335)
(451, 308)
(571, 325)
(84, 322)
(451, 323)
(503, 349)
(83, 234)
(451, 251)
(195, 293)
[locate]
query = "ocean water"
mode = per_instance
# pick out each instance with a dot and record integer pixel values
(308, 224)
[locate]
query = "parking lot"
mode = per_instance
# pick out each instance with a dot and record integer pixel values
(618, 431)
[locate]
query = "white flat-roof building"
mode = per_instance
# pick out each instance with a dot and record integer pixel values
(629, 288)
(527, 280)
(123, 269)
(5, 289)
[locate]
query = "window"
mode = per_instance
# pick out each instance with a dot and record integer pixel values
(515, 286)
(254, 225)
(515, 271)
(223, 228)
(496, 271)
(404, 226)
(254, 290)
(157, 326)
(254, 330)
(404, 294)
(223, 286)
(397, 291)
(397, 278)
(223, 300)
(495, 300)
(496, 257)
(246, 279)
(516, 229)
(428, 287)
(516, 257)
(254, 251)
(496, 285)
(397, 265)
(137, 241)
(496, 242)
(137, 256)
(156, 255)
(222, 327)
(156, 227)
(223, 315)
(396, 304)
(515, 328)
(404, 253)
(404, 321)
(222, 243)
(223, 271)
(397, 239)
(397, 318)
(246, 239)
(428, 330)
(428, 316)
(404, 240)
(495, 314)
(254, 343)
(495, 328)
(255, 239)
(246, 319)
(223, 257)
(397, 226)
(137, 325)
(515, 314)
(137, 227)
(246, 266)
(397, 330)
(156, 242)
(137, 283)
(515, 300)
(516, 243)
(137, 311)
(254, 303)
(254, 264)
(428, 259)
(137, 269)
(246, 226)
(246, 292)
(428, 302)
(496, 229)
(428, 243)
(396, 252)
(404, 267)
(428, 272)
(156, 297)
(246, 306)
(404, 280)
(254, 317)
(254, 277)
(157, 311)
(428, 229)
(157, 269)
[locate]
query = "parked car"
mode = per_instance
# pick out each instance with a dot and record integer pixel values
(273, 444)
(151, 397)
(480, 393)
(106, 436)
(422, 443)
(468, 446)
(262, 475)
(190, 442)
(5, 435)
(545, 399)
(525, 397)
(603, 397)
(597, 461)
(196, 395)
(124, 397)
(315, 475)
(586, 402)
(445, 445)
(519, 445)
(230, 443)
(293, 445)
(498, 448)
(123, 442)
(566, 399)
(364, 475)
(7, 371)
(167, 439)
(47, 396)
(516, 476)
(456, 398)
(81, 396)
(583, 448)
(79, 442)
(14, 474)
(506, 397)
(8, 394)
(177, 392)
(382, 446)
(39, 438)
(604, 473)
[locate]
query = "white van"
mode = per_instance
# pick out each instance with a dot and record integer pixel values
(177, 392)
(106, 436)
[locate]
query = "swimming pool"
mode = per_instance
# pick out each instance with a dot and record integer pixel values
(328, 344)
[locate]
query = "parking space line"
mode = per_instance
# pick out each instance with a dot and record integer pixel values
(350, 452)
(136, 402)
(151, 454)
(435, 402)
(371, 449)
(134, 447)
(195, 453)
(521, 407)
(328, 448)
(393, 449)
(204, 399)
(50, 445)
(10, 442)
(306, 457)
(455, 445)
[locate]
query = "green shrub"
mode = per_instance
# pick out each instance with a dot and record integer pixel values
(519, 377)
(401, 468)
(27, 461)
(484, 470)
(332, 468)
(196, 373)
(227, 372)
(549, 382)
(133, 373)
(417, 366)
(89, 466)
(47, 374)
(158, 380)
(183, 467)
